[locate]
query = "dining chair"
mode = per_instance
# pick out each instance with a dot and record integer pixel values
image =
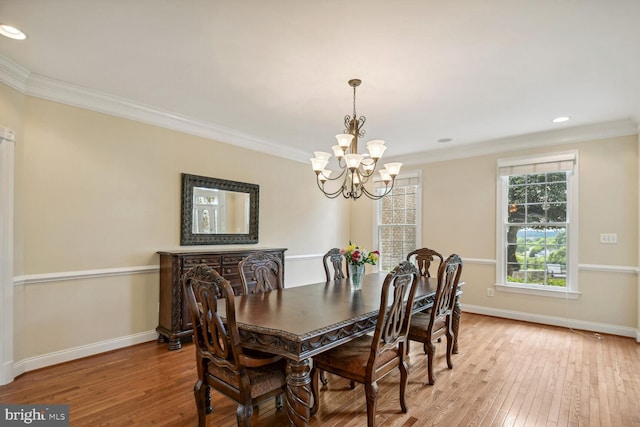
(422, 258)
(427, 327)
(335, 261)
(263, 269)
(221, 361)
(368, 358)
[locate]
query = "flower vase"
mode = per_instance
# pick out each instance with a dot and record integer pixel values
(356, 274)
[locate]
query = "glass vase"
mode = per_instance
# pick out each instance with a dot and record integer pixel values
(356, 274)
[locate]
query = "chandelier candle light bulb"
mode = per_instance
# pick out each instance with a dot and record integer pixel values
(355, 169)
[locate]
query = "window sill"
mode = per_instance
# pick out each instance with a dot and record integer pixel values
(531, 290)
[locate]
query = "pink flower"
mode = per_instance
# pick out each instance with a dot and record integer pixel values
(358, 256)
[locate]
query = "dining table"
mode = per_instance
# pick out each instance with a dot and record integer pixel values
(301, 322)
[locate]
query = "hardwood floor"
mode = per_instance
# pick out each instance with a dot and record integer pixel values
(507, 373)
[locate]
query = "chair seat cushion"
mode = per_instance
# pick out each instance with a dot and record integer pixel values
(262, 380)
(352, 356)
(420, 323)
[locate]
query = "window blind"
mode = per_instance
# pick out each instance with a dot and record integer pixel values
(555, 163)
(400, 181)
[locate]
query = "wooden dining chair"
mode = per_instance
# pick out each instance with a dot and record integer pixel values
(222, 363)
(427, 327)
(262, 269)
(368, 358)
(335, 261)
(422, 258)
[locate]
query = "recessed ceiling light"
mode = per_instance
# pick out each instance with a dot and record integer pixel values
(12, 32)
(445, 140)
(561, 119)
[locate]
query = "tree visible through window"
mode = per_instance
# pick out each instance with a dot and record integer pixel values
(397, 218)
(537, 229)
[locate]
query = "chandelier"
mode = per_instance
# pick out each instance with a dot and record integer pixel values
(355, 169)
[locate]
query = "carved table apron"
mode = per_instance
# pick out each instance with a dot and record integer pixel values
(303, 321)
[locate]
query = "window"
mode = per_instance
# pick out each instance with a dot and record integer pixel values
(397, 220)
(536, 226)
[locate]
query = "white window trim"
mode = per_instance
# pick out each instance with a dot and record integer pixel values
(571, 290)
(402, 175)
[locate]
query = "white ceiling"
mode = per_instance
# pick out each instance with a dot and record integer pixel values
(275, 72)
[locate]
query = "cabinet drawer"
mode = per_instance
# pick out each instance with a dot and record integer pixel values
(232, 260)
(211, 261)
(229, 271)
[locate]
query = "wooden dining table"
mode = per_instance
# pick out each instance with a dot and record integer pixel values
(303, 321)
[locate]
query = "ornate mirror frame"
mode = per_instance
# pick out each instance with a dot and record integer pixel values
(187, 237)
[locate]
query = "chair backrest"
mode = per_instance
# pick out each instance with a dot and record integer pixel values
(263, 268)
(336, 260)
(396, 302)
(216, 340)
(422, 258)
(445, 298)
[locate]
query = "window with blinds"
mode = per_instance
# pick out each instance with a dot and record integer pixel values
(398, 218)
(534, 208)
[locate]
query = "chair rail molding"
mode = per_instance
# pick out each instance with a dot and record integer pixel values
(83, 274)
(7, 148)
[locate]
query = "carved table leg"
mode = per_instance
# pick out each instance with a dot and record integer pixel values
(298, 392)
(457, 312)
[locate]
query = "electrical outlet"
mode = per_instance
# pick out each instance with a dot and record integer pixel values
(609, 238)
(489, 292)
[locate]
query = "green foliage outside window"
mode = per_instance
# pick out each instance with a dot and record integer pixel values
(537, 229)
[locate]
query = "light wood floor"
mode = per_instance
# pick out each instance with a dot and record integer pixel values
(507, 373)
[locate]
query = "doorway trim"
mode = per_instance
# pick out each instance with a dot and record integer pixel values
(7, 149)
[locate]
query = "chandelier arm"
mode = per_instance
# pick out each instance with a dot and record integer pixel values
(364, 173)
(353, 194)
(342, 163)
(363, 179)
(361, 121)
(330, 195)
(380, 196)
(347, 124)
(337, 176)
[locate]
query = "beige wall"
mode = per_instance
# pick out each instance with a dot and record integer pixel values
(459, 215)
(99, 192)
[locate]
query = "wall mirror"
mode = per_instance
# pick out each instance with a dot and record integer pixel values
(218, 211)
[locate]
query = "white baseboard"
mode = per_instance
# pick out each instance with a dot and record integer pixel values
(6, 374)
(555, 321)
(50, 359)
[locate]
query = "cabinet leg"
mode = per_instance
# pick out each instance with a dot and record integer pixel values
(175, 344)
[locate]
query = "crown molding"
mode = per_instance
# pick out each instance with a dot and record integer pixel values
(77, 96)
(39, 86)
(13, 75)
(533, 140)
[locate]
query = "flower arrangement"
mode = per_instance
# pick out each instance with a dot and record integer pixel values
(357, 256)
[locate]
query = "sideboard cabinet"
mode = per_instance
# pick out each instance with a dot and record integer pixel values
(174, 320)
